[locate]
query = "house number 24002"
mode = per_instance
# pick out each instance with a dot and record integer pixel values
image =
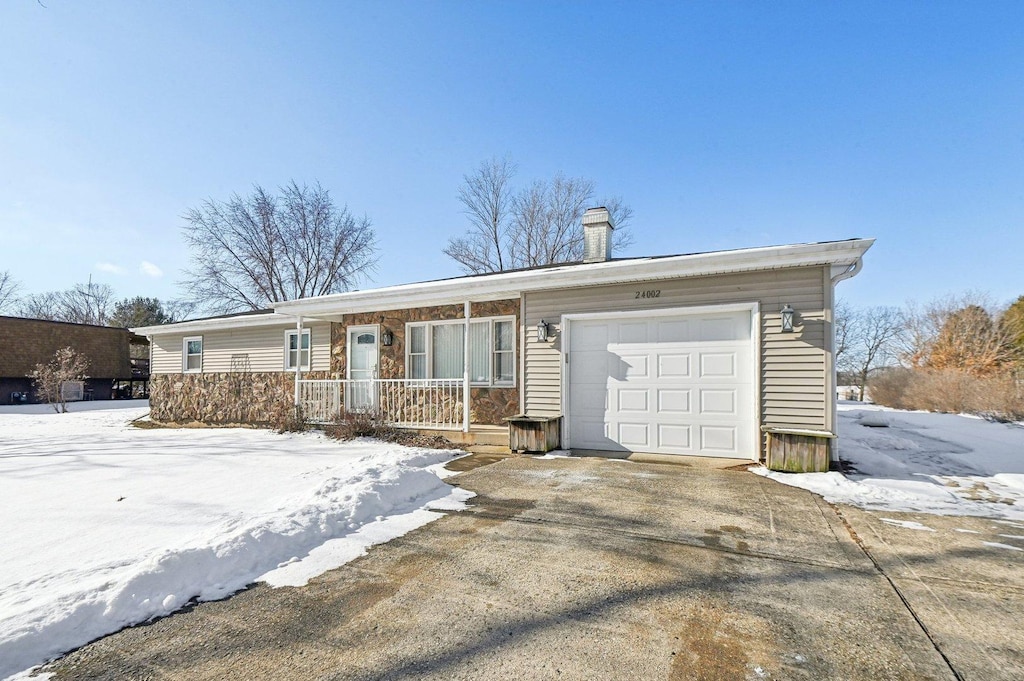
(655, 293)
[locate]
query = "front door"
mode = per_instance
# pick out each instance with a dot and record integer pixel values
(361, 394)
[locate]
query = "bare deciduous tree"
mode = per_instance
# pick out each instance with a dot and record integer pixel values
(538, 225)
(49, 379)
(88, 303)
(251, 251)
(8, 290)
(869, 338)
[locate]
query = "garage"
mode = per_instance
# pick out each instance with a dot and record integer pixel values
(662, 382)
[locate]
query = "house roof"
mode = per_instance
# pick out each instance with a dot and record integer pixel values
(511, 284)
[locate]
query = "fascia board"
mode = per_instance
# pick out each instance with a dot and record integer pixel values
(513, 284)
(215, 324)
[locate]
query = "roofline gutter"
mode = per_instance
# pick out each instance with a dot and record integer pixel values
(513, 284)
(502, 285)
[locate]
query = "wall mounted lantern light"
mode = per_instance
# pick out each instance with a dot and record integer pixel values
(787, 318)
(542, 330)
(387, 338)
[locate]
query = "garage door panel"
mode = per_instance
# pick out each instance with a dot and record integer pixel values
(635, 332)
(671, 384)
(591, 336)
(718, 439)
(634, 436)
(718, 365)
(592, 431)
(719, 329)
(718, 402)
(675, 437)
(630, 367)
(633, 400)
(674, 331)
(672, 401)
(674, 365)
(591, 366)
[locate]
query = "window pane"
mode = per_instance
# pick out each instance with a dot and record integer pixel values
(305, 340)
(504, 336)
(291, 340)
(480, 352)
(194, 362)
(417, 366)
(504, 367)
(305, 358)
(195, 347)
(417, 339)
(448, 341)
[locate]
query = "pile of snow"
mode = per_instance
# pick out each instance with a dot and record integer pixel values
(106, 525)
(946, 464)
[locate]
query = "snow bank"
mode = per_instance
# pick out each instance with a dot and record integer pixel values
(107, 525)
(945, 464)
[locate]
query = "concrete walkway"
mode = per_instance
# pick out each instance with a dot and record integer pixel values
(575, 569)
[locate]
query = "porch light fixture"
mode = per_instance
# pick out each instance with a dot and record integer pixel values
(542, 331)
(387, 338)
(787, 318)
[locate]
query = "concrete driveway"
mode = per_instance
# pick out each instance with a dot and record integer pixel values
(599, 569)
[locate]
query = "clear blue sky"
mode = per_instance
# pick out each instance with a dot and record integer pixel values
(723, 124)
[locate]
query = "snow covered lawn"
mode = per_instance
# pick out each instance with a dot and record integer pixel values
(945, 464)
(103, 525)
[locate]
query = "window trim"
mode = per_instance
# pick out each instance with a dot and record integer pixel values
(287, 351)
(185, 354)
(492, 353)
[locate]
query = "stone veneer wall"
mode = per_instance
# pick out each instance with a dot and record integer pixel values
(239, 397)
(488, 405)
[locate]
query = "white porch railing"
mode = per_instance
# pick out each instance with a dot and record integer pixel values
(400, 402)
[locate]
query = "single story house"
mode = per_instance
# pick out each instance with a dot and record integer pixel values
(113, 370)
(694, 354)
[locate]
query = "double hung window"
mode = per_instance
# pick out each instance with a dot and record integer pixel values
(192, 354)
(294, 354)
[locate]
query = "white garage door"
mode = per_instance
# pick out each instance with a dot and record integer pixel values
(679, 384)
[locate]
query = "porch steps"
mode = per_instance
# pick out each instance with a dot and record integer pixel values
(493, 439)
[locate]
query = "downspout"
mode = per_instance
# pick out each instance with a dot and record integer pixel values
(849, 271)
(465, 370)
(298, 361)
(845, 274)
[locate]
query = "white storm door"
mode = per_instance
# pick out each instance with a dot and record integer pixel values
(361, 393)
(675, 383)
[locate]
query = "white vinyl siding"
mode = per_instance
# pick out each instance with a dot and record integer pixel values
(793, 366)
(255, 349)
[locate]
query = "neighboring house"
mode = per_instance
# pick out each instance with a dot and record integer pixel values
(27, 342)
(681, 354)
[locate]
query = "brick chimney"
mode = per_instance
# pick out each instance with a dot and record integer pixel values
(597, 235)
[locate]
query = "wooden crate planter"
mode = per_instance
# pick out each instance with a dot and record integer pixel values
(533, 433)
(799, 451)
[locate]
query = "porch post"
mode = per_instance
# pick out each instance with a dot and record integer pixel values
(298, 360)
(465, 371)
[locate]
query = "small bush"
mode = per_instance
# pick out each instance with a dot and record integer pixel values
(290, 419)
(999, 397)
(889, 387)
(350, 425)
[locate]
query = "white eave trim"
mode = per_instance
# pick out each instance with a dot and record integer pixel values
(513, 284)
(241, 321)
